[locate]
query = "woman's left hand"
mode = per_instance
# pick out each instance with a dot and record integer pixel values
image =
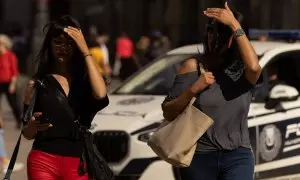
(78, 37)
(224, 16)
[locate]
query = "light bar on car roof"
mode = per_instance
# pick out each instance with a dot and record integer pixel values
(284, 34)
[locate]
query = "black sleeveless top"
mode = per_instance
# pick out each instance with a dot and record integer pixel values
(61, 139)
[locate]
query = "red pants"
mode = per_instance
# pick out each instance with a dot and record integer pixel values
(41, 165)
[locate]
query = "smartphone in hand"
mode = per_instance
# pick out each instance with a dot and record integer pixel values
(43, 119)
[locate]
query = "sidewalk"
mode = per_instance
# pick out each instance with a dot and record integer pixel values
(11, 136)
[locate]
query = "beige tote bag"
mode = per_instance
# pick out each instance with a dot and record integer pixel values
(175, 142)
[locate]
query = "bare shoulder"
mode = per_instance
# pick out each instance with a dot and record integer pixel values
(187, 66)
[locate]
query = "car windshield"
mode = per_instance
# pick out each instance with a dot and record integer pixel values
(155, 79)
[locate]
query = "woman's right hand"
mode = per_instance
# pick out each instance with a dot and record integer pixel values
(36, 125)
(205, 79)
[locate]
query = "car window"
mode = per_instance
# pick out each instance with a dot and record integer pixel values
(155, 79)
(261, 90)
(287, 67)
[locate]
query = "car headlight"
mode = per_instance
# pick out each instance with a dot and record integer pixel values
(145, 137)
(145, 133)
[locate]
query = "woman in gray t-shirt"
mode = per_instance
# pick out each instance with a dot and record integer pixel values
(224, 93)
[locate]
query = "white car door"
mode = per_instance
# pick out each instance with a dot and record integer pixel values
(275, 132)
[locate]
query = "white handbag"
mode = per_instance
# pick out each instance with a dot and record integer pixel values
(175, 142)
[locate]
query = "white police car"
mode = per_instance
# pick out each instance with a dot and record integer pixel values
(123, 128)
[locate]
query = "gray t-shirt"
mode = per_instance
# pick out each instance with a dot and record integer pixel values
(227, 102)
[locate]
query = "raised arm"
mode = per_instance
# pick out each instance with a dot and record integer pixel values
(97, 83)
(249, 57)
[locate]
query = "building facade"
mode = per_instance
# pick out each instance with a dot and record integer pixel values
(181, 20)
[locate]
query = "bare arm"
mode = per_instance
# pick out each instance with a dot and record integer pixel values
(33, 125)
(250, 59)
(14, 73)
(173, 108)
(96, 80)
(13, 80)
(12, 85)
(225, 16)
(29, 132)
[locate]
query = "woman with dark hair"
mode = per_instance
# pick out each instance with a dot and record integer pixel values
(66, 68)
(223, 92)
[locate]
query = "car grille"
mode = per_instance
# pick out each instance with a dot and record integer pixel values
(113, 145)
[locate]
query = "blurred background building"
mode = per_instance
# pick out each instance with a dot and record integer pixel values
(180, 20)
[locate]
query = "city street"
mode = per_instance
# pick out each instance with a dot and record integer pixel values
(239, 60)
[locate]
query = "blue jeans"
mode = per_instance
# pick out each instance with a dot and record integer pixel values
(3, 153)
(237, 164)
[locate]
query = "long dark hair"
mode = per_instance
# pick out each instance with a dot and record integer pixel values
(46, 60)
(218, 58)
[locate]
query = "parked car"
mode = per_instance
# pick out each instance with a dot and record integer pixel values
(123, 128)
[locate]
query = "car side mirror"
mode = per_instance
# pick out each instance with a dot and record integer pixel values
(281, 93)
(284, 93)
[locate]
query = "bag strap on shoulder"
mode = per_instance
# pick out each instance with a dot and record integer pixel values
(200, 67)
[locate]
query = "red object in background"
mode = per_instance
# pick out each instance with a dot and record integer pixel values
(8, 66)
(124, 47)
